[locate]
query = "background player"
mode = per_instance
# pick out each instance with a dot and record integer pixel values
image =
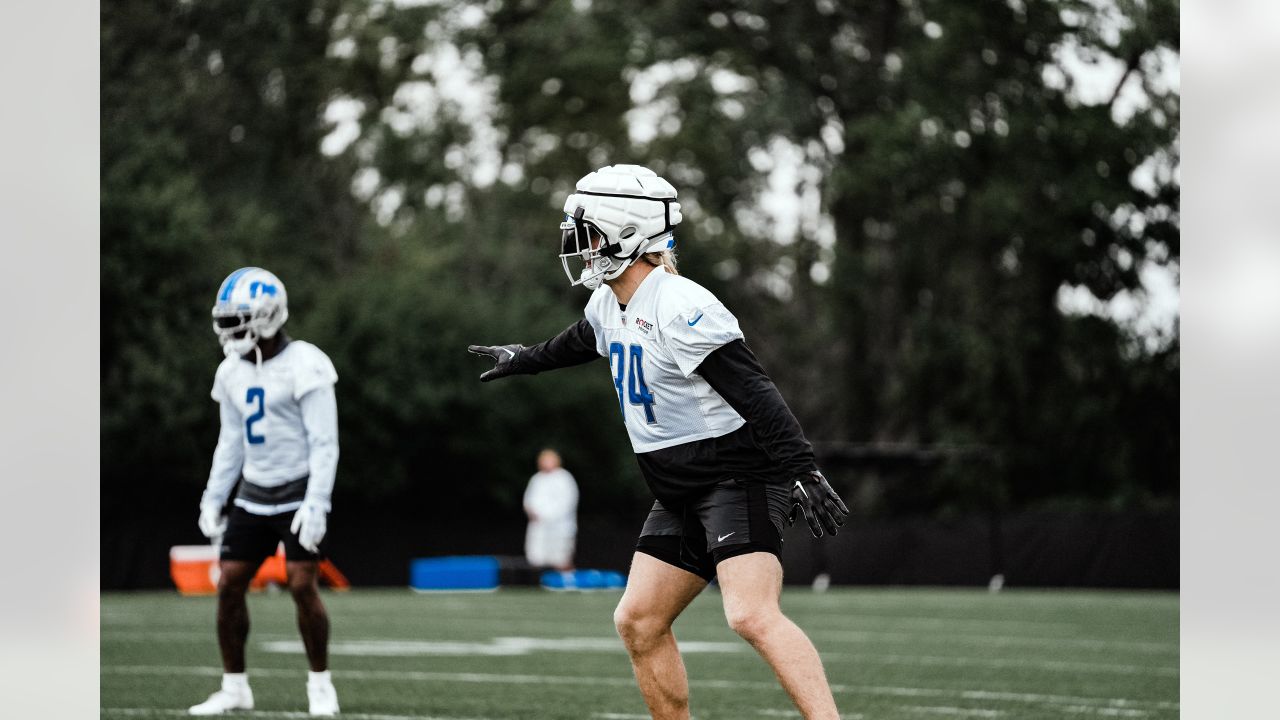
(551, 502)
(279, 438)
(719, 448)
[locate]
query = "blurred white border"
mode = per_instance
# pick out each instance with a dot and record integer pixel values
(1231, 363)
(49, 426)
(1230, 359)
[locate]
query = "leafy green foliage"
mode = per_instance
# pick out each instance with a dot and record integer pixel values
(948, 189)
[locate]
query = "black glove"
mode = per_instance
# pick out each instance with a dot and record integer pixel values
(822, 507)
(507, 357)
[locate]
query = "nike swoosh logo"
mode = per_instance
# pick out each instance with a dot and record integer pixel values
(722, 537)
(507, 351)
(695, 320)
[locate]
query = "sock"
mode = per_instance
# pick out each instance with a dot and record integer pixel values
(235, 681)
(319, 678)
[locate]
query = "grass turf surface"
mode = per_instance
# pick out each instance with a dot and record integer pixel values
(889, 654)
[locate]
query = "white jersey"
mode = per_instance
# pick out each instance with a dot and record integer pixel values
(267, 403)
(654, 348)
(552, 496)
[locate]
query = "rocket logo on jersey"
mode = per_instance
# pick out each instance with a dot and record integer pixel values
(644, 326)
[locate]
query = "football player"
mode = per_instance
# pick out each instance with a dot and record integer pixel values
(723, 455)
(278, 446)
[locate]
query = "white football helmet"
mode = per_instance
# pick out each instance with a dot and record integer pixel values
(617, 214)
(251, 304)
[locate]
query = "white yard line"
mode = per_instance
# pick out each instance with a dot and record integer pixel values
(1110, 712)
(1046, 600)
(987, 640)
(132, 634)
(518, 646)
(852, 620)
(1005, 696)
(517, 679)
(953, 711)
(166, 712)
(852, 615)
(498, 646)
(770, 712)
(1046, 665)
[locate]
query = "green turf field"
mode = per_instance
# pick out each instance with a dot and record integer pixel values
(891, 653)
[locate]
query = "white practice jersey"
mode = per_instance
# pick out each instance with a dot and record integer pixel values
(654, 348)
(267, 401)
(553, 497)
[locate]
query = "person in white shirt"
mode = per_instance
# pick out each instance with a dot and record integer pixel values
(551, 502)
(278, 449)
(727, 462)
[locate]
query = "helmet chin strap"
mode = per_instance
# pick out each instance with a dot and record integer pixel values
(602, 269)
(612, 273)
(233, 349)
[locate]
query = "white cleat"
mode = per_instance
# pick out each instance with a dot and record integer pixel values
(225, 700)
(323, 699)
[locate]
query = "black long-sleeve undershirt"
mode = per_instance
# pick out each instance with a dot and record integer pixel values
(733, 371)
(573, 346)
(770, 446)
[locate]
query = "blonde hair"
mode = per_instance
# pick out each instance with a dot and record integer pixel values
(665, 259)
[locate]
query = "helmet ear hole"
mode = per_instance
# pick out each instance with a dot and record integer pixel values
(627, 232)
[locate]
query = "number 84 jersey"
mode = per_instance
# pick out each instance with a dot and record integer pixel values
(654, 347)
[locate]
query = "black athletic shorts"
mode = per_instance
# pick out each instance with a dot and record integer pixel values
(735, 517)
(252, 537)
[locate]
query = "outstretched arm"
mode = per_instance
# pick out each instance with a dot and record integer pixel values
(575, 346)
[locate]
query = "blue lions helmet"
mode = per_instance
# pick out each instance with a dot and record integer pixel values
(251, 304)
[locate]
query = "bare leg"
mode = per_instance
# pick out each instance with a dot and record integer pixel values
(751, 585)
(656, 594)
(233, 612)
(313, 620)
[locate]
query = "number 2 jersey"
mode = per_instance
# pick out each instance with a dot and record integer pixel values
(267, 435)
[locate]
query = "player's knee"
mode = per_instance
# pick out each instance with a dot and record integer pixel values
(638, 629)
(228, 591)
(751, 622)
(303, 587)
(233, 584)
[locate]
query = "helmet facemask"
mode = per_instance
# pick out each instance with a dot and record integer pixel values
(587, 250)
(239, 331)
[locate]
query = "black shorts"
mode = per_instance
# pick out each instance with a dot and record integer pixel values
(253, 538)
(735, 517)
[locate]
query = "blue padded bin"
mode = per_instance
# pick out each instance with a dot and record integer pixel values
(468, 572)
